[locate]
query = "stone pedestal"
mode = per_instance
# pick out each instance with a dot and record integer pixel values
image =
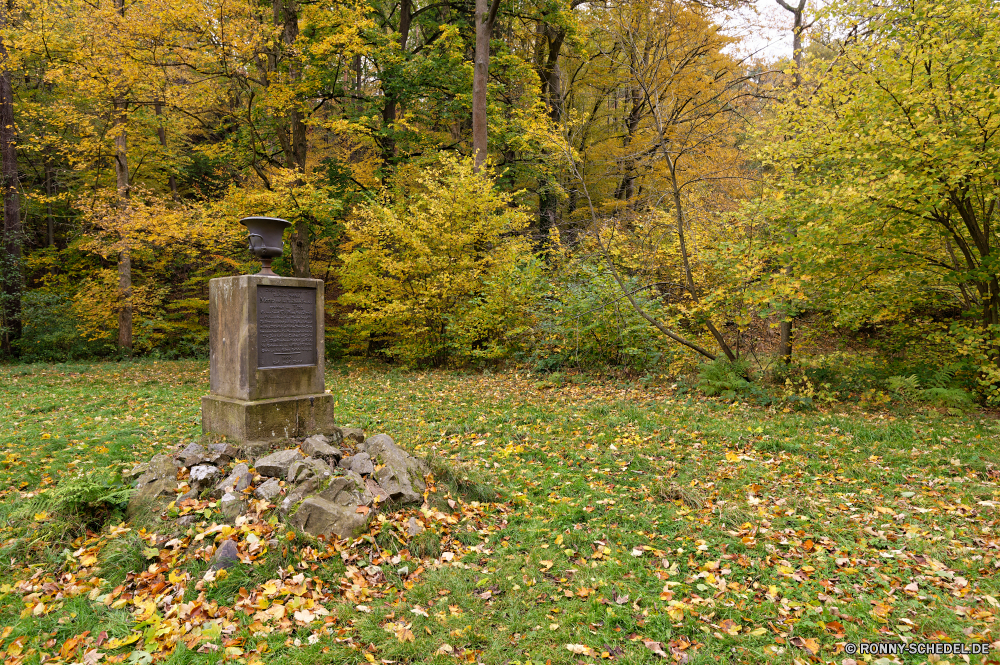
(267, 350)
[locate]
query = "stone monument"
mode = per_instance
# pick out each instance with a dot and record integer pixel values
(267, 350)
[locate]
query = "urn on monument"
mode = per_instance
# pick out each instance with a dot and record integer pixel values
(265, 239)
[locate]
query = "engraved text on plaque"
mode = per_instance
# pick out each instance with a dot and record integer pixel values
(286, 326)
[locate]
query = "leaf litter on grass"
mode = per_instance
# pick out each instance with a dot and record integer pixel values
(637, 525)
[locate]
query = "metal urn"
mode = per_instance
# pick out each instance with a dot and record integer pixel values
(265, 239)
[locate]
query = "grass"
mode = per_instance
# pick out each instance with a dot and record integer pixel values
(593, 520)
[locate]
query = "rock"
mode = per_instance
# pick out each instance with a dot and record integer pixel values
(345, 462)
(237, 480)
(155, 489)
(378, 494)
(348, 489)
(319, 446)
(160, 467)
(186, 520)
(190, 495)
(269, 489)
(317, 516)
(225, 556)
(203, 475)
(309, 467)
(362, 464)
(402, 475)
(355, 434)
(231, 505)
(255, 449)
(135, 472)
(335, 437)
(296, 495)
(192, 455)
(221, 454)
(413, 528)
(276, 464)
(336, 509)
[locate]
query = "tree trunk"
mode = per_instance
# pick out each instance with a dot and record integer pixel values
(785, 329)
(287, 13)
(11, 264)
(486, 14)
(162, 133)
(124, 255)
(125, 289)
(50, 222)
(549, 76)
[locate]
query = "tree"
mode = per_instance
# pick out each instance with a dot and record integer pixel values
(427, 262)
(672, 152)
(10, 268)
(486, 16)
(891, 172)
(798, 27)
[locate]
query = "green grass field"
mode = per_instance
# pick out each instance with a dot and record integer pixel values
(629, 524)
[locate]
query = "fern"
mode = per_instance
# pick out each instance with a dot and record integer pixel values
(952, 398)
(904, 385)
(93, 493)
(724, 378)
(943, 377)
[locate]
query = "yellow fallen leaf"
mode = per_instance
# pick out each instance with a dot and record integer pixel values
(581, 649)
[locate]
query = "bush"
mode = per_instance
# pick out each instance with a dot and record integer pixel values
(725, 378)
(581, 319)
(436, 272)
(51, 331)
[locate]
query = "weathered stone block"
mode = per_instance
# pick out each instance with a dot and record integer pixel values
(276, 465)
(235, 345)
(278, 418)
(237, 481)
(319, 446)
(402, 475)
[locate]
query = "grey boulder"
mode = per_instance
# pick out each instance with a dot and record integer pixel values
(401, 475)
(342, 509)
(276, 464)
(310, 467)
(192, 455)
(361, 464)
(203, 475)
(237, 480)
(161, 467)
(319, 446)
(269, 489)
(355, 434)
(220, 454)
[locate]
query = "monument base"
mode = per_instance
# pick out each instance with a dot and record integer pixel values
(265, 419)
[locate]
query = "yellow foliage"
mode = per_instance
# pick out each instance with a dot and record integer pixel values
(436, 268)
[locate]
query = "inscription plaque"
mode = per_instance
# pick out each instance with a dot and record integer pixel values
(286, 326)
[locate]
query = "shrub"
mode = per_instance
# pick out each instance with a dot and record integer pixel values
(581, 319)
(436, 271)
(51, 330)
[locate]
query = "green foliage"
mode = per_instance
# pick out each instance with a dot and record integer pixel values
(96, 491)
(582, 320)
(725, 378)
(887, 160)
(940, 391)
(85, 501)
(435, 271)
(51, 330)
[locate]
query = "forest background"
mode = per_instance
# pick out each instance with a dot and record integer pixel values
(557, 183)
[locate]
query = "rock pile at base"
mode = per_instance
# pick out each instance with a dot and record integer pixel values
(326, 484)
